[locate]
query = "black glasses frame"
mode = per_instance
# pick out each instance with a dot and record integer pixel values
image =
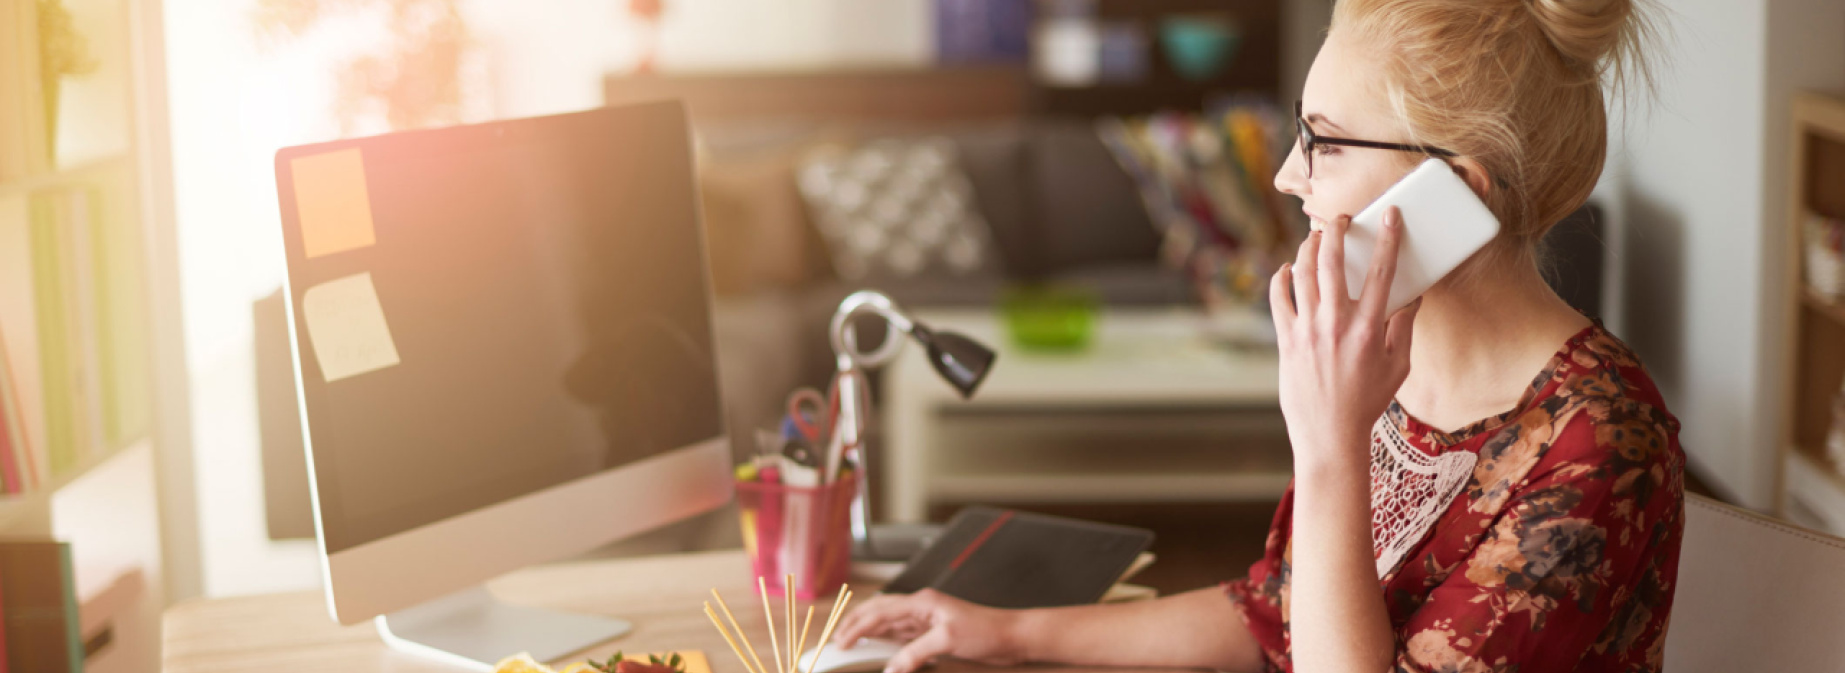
(1308, 139)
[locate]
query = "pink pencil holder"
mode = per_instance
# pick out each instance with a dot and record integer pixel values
(806, 532)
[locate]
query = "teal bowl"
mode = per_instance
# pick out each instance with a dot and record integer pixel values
(1200, 47)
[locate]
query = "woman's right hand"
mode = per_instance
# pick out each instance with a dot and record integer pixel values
(933, 624)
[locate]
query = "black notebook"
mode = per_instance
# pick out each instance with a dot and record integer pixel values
(1009, 559)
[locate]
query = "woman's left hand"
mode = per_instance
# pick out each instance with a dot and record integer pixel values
(1342, 360)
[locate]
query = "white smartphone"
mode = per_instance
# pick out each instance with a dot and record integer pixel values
(1444, 223)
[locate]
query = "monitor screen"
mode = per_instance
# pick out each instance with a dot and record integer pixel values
(485, 312)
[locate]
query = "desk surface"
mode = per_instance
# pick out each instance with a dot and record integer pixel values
(661, 595)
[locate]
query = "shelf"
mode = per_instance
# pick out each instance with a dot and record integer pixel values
(1812, 487)
(1255, 64)
(32, 507)
(85, 172)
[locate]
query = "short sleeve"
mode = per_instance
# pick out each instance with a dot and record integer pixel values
(1261, 596)
(1576, 571)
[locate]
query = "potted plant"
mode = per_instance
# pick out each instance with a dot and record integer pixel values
(61, 51)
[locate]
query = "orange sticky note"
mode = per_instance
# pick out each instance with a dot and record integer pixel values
(330, 199)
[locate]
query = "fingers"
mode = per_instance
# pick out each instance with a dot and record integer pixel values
(878, 616)
(919, 652)
(1306, 281)
(1280, 305)
(1383, 267)
(1332, 263)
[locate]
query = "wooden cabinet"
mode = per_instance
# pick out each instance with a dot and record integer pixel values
(1813, 484)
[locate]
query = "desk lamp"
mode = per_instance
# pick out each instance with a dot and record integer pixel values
(961, 361)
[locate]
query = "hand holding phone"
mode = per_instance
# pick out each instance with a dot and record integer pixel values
(1444, 223)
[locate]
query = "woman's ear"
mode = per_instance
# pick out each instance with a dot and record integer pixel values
(1475, 175)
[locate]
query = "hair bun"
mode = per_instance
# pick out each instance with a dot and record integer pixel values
(1594, 33)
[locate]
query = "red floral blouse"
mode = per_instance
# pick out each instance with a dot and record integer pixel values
(1559, 554)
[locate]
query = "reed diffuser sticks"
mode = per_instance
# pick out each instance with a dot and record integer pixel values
(797, 645)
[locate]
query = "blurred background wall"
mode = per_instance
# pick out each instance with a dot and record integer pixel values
(1697, 182)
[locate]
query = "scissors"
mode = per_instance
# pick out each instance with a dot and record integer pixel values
(811, 413)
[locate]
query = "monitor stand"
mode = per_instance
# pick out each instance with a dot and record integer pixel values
(886, 542)
(474, 630)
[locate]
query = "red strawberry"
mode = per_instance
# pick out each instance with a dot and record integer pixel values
(654, 664)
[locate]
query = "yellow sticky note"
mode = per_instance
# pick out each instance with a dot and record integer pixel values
(331, 202)
(346, 324)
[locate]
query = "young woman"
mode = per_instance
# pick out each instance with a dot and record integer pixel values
(1450, 510)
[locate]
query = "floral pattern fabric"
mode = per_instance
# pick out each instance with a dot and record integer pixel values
(1561, 553)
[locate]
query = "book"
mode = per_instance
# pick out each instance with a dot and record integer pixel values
(982, 31)
(60, 380)
(1128, 593)
(84, 297)
(885, 571)
(1011, 559)
(12, 465)
(38, 600)
(13, 419)
(122, 322)
(94, 371)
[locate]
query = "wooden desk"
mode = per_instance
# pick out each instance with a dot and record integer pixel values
(661, 595)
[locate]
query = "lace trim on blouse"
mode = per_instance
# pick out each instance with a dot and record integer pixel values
(1409, 491)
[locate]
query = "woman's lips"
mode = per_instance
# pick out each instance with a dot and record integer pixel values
(1315, 221)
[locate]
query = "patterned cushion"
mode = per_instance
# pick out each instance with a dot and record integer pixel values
(896, 208)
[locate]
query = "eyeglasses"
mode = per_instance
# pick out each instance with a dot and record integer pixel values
(1308, 139)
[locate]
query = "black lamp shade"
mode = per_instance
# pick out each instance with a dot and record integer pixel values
(959, 359)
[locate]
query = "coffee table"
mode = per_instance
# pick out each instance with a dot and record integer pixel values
(1152, 411)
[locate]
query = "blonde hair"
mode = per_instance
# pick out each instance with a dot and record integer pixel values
(1516, 85)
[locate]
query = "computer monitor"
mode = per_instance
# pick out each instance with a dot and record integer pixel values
(502, 342)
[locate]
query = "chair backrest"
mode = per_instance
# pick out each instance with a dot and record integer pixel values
(1755, 594)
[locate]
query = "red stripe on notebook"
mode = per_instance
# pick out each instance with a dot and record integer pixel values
(980, 539)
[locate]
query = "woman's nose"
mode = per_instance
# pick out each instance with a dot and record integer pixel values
(1292, 178)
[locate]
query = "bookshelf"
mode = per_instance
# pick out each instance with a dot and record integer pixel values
(1812, 483)
(74, 383)
(77, 362)
(1254, 68)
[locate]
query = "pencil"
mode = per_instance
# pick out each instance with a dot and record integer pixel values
(740, 634)
(762, 587)
(732, 641)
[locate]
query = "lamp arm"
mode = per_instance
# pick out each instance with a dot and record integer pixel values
(845, 343)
